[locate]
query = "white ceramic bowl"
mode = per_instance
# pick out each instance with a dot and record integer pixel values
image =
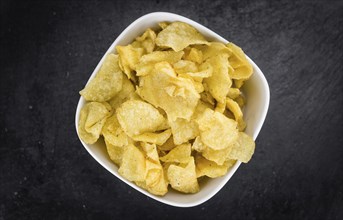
(256, 91)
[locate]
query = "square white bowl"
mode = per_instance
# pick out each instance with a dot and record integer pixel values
(256, 90)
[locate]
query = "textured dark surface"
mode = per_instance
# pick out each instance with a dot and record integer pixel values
(49, 49)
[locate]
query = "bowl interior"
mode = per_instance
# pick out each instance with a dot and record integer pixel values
(255, 89)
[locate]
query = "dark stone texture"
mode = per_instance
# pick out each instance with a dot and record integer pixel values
(49, 48)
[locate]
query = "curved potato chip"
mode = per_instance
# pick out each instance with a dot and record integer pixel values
(146, 41)
(128, 58)
(163, 25)
(127, 92)
(240, 100)
(147, 62)
(209, 168)
(194, 55)
(213, 49)
(181, 99)
(216, 130)
(114, 134)
(233, 93)
(180, 154)
(179, 35)
(167, 146)
(243, 148)
(185, 66)
(133, 164)
(92, 118)
(106, 83)
(154, 138)
(151, 152)
(183, 130)
(183, 179)
(219, 83)
(138, 117)
(115, 153)
(243, 68)
(237, 112)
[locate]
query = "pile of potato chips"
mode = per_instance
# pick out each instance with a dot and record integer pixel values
(169, 107)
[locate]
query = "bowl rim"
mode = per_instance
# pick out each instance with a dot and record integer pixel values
(198, 26)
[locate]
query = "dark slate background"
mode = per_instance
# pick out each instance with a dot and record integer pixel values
(49, 49)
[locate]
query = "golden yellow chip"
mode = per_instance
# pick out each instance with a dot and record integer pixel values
(180, 154)
(185, 66)
(243, 148)
(179, 35)
(168, 145)
(219, 83)
(146, 41)
(163, 25)
(209, 168)
(233, 93)
(213, 49)
(115, 152)
(240, 101)
(183, 179)
(147, 62)
(128, 58)
(194, 55)
(107, 82)
(154, 138)
(114, 134)
(92, 118)
(133, 164)
(241, 65)
(216, 130)
(177, 96)
(127, 92)
(237, 112)
(138, 117)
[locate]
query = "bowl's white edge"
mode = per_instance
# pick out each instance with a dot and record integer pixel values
(233, 169)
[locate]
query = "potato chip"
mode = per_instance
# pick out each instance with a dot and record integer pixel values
(237, 112)
(115, 153)
(185, 66)
(183, 179)
(128, 58)
(243, 148)
(218, 156)
(163, 25)
(175, 95)
(92, 118)
(209, 168)
(146, 41)
(127, 92)
(151, 151)
(220, 107)
(194, 55)
(133, 164)
(179, 35)
(219, 83)
(138, 117)
(240, 101)
(154, 138)
(180, 154)
(147, 62)
(207, 97)
(213, 49)
(167, 146)
(107, 82)
(114, 134)
(241, 65)
(216, 130)
(183, 130)
(233, 93)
